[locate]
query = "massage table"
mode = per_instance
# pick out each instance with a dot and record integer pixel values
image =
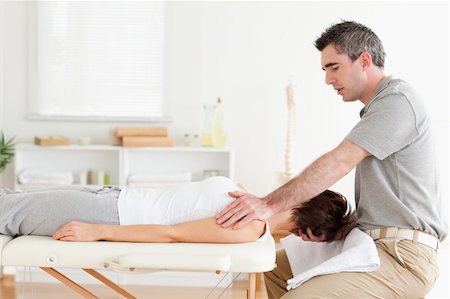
(49, 254)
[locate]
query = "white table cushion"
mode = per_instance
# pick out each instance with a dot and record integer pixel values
(41, 251)
(3, 241)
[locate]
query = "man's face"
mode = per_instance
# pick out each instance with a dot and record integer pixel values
(346, 76)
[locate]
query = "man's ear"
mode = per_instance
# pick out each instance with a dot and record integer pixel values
(366, 59)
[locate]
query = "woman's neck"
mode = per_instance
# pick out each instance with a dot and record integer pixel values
(280, 221)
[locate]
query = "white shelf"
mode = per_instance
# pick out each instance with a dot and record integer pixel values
(180, 149)
(98, 147)
(121, 162)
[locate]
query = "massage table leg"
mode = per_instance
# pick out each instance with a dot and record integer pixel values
(251, 289)
(109, 283)
(82, 291)
(70, 283)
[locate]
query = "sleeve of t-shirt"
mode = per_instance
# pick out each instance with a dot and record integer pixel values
(388, 125)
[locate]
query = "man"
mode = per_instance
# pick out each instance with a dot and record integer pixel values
(396, 185)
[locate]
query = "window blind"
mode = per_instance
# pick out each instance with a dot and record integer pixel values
(96, 59)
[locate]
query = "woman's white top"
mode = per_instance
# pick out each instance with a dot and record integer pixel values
(187, 202)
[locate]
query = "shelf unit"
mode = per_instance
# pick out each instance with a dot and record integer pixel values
(121, 162)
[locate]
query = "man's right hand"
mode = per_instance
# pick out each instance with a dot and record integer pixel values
(245, 208)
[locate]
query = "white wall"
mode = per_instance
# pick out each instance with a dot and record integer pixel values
(1, 63)
(246, 52)
(1, 76)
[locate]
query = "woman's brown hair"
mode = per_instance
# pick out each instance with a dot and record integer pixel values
(328, 214)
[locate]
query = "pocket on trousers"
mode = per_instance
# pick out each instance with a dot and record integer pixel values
(420, 260)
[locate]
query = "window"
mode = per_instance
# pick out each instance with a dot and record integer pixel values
(96, 60)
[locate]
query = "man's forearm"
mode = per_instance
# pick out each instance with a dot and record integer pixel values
(317, 177)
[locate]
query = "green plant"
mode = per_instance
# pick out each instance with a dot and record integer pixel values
(6, 151)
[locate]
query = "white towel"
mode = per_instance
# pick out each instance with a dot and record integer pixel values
(45, 177)
(356, 253)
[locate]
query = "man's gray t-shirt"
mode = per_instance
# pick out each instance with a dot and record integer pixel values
(398, 186)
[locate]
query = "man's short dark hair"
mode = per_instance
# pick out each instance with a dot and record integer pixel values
(328, 214)
(352, 39)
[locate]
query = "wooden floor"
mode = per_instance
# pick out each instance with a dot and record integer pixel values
(11, 290)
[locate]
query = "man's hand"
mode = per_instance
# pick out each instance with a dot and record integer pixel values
(77, 231)
(242, 210)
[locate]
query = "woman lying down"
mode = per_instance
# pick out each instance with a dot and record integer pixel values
(185, 213)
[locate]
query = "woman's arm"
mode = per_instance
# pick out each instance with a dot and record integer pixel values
(198, 231)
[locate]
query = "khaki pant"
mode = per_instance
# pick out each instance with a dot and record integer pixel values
(407, 270)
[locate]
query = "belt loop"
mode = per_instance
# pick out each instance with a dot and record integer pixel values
(415, 236)
(383, 232)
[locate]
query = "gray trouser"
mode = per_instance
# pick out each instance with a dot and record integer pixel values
(42, 212)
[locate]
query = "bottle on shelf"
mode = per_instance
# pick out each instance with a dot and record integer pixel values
(213, 132)
(196, 140)
(209, 111)
(219, 135)
(186, 140)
